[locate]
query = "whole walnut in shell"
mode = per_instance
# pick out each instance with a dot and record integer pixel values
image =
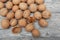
(16, 1)
(18, 14)
(1, 5)
(26, 13)
(33, 7)
(30, 1)
(22, 22)
(13, 22)
(23, 6)
(29, 27)
(3, 11)
(16, 30)
(39, 1)
(9, 5)
(15, 8)
(5, 23)
(43, 23)
(46, 14)
(37, 15)
(10, 15)
(35, 33)
(41, 7)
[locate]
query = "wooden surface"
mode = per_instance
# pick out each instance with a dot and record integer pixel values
(53, 29)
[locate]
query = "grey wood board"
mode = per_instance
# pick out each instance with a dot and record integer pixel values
(53, 28)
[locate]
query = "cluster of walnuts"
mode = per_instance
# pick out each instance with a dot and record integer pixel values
(17, 15)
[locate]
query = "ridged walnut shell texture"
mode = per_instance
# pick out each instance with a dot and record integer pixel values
(29, 27)
(3, 11)
(16, 30)
(22, 22)
(5, 24)
(36, 33)
(43, 23)
(1, 5)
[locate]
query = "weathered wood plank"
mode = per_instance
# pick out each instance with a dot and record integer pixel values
(53, 5)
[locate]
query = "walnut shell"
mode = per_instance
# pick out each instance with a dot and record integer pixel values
(18, 14)
(3, 12)
(13, 22)
(23, 6)
(30, 1)
(10, 15)
(39, 1)
(33, 7)
(1, 5)
(29, 27)
(41, 7)
(37, 15)
(43, 23)
(35, 33)
(22, 22)
(46, 14)
(16, 1)
(5, 24)
(31, 19)
(16, 30)
(26, 13)
(15, 8)
(9, 5)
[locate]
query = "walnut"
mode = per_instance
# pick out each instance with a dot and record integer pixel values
(31, 19)
(36, 33)
(16, 30)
